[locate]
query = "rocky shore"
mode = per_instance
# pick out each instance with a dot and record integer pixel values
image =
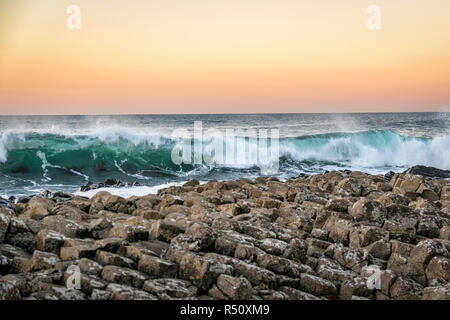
(337, 235)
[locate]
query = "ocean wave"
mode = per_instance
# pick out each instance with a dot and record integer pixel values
(143, 156)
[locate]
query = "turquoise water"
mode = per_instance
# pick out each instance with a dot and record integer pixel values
(60, 153)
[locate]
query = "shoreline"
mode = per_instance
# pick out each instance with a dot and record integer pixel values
(324, 236)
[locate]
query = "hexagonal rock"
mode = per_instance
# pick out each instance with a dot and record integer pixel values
(317, 286)
(282, 265)
(173, 288)
(124, 292)
(245, 251)
(13, 259)
(42, 260)
(400, 231)
(390, 198)
(267, 203)
(157, 267)
(355, 287)
(444, 233)
(226, 244)
(371, 211)
(100, 295)
(123, 276)
(38, 208)
(78, 252)
(66, 227)
(338, 225)
(421, 255)
(136, 250)
(4, 224)
(436, 293)
(203, 234)
(445, 193)
(406, 289)
(149, 214)
(108, 258)
(111, 244)
(99, 228)
(272, 246)
(234, 288)
(89, 267)
(5, 264)
(294, 294)
(380, 249)
(14, 287)
(50, 241)
(128, 232)
(256, 275)
(354, 259)
(165, 230)
(296, 250)
(438, 271)
(69, 212)
(362, 236)
(340, 205)
(348, 187)
(202, 271)
(111, 202)
(387, 278)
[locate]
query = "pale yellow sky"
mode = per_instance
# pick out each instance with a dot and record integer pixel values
(196, 56)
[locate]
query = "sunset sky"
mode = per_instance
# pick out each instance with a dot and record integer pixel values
(223, 56)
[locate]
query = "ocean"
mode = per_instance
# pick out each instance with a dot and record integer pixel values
(61, 153)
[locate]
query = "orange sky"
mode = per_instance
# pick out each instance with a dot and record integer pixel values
(214, 56)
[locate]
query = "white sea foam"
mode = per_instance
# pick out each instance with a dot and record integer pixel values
(129, 191)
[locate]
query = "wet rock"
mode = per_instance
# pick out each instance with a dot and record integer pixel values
(438, 271)
(108, 258)
(421, 255)
(38, 208)
(165, 230)
(256, 275)
(128, 232)
(111, 244)
(124, 292)
(370, 211)
(66, 227)
(202, 271)
(430, 172)
(50, 241)
(317, 286)
(157, 267)
(123, 276)
(406, 289)
(234, 288)
(89, 267)
(355, 287)
(4, 224)
(78, 252)
(172, 288)
(436, 293)
(42, 260)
